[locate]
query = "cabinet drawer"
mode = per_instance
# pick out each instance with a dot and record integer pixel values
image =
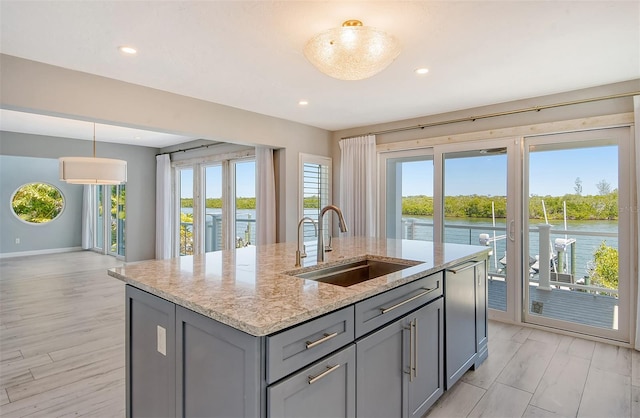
(301, 345)
(385, 307)
(326, 388)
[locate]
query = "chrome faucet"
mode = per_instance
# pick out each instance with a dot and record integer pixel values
(341, 223)
(300, 255)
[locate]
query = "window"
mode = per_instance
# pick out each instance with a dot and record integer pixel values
(37, 203)
(407, 212)
(315, 190)
(215, 200)
(213, 240)
(185, 191)
(244, 202)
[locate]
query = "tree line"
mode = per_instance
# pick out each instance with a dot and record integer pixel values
(600, 207)
(216, 203)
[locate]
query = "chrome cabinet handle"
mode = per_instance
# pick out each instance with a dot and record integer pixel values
(314, 379)
(326, 337)
(411, 299)
(465, 266)
(413, 349)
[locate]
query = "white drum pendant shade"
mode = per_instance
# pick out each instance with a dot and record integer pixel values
(91, 170)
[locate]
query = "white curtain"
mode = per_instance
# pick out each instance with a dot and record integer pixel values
(87, 217)
(163, 207)
(265, 197)
(358, 185)
(636, 128)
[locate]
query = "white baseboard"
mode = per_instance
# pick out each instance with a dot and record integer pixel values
(40, 252)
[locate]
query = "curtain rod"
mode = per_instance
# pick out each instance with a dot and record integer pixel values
(493, 115)
(192, 148)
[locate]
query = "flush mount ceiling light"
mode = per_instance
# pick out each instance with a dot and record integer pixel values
(92, 170)
(352, 52)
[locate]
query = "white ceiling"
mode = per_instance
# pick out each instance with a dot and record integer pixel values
(248, 54)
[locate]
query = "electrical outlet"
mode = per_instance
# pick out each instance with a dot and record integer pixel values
(17, 240)
(162, 340)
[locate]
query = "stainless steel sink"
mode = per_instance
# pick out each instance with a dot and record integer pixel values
(353, 273)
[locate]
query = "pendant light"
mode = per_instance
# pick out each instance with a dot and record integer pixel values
(92, 170)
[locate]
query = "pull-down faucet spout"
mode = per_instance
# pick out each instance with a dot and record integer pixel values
(341, 223)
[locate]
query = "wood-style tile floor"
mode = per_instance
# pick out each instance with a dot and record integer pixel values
(533, 373)
(62, 354)
(61, 336)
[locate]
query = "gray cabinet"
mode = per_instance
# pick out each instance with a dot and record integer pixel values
(482, 332)
(399, 370)
(182, 364)
(391, 355)
(218, 372)
(150, 355)
(325, 389)
(427, 383)
(466, 318)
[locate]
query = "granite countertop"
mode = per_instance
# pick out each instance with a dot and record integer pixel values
(251, 288)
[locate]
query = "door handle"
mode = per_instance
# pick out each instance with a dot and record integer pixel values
(512, 236)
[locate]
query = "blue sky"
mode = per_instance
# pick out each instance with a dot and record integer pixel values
(245, 180)
(551, 173)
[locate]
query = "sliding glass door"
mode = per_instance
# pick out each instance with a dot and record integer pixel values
(110, 219)
(479, 208)
(575, 185)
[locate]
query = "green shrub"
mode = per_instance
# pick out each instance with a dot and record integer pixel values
(605, 267)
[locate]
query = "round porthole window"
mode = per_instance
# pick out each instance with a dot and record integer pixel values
(37, 203)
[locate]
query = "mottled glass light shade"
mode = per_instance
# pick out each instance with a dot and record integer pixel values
(352, 52)
(91, 170)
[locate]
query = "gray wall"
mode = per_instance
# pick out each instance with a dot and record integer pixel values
(63, 232)
(40, 88)
(141, 180)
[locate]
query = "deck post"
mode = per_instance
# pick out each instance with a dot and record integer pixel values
(544, 260)
(573, 259)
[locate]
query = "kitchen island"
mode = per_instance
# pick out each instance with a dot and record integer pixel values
(235, 333)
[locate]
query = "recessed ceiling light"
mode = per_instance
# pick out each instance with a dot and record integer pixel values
(303, 103)
(422, 71)
(129, 50)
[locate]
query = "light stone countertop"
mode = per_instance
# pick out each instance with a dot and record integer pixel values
(250, 290)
